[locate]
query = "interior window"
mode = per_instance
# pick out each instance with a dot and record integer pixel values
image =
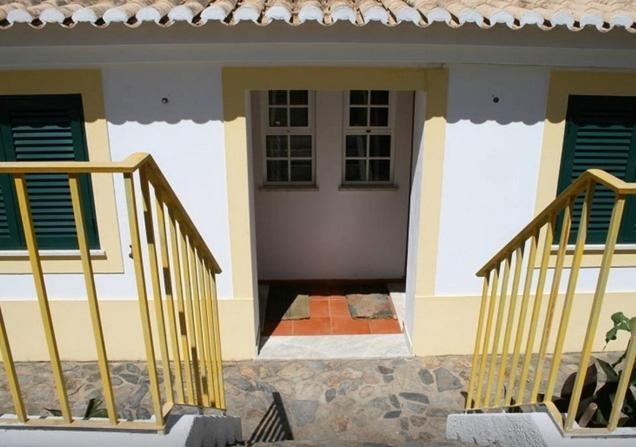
(289, 139)
(368, 137)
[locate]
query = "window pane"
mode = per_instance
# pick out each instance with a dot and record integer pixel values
(357, 116)
(298, 117)
(379, 97)
(300, 145)
(298, 97)
(276, 145)
(358, 97)
(301, 171)
(379, 116)
(277, 171)
(355, 170)
(380, 146)
(356, 146)
(277, 97)
(379, 170)
(277, 117)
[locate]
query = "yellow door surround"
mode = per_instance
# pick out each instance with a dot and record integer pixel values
(237, 82)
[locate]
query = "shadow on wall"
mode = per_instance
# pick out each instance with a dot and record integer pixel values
(170, 94)
(501, 95)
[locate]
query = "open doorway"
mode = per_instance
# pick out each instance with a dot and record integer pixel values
(332, 174)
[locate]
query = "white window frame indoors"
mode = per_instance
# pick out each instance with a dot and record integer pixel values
(288, 130)
(368, 131)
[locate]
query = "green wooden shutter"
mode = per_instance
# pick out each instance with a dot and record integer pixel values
(601, 133)
(44, 128)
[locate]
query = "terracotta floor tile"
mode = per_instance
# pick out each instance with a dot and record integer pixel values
(339, 308)
(283, 327)
(312, 326)
(345, 325)
(385, 326)
(323, 298)
(318, 308)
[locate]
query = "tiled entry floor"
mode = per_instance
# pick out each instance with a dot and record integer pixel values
(329, 315)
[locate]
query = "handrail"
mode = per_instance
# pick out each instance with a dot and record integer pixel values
(171, 198)
(507, 378)
(617, 185)
(185, 272)
(132, 163)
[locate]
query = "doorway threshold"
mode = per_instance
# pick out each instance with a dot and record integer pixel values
(315, 347)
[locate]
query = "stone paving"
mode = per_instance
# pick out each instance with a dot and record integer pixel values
(336, 402)
(400, 401)
(330, 402)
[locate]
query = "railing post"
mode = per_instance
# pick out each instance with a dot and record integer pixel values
(156, 286)
(91, 292)
(522, 318)
(9, 369)
(43, 300)
(623, 383)
(484, 357)
(143, 298)
(194, 274)
(167, 285)
(538, 298)
(595, 312)
(499, 321)
(554, 292)
(480, 328)
(577, 257)
(206, 330)
(508, 331)
(217, 345)
(183, 324)
(194, 350)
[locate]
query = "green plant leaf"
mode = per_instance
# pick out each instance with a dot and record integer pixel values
(605, 400)
(94, 409)
(610, 372)
(621, 323)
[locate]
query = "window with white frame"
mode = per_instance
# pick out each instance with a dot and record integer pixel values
(368, 154)
(289, 141)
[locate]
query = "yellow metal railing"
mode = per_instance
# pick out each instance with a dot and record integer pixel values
(183, 287)
(501, 377)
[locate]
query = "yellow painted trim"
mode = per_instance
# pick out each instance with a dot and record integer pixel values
(435, 315)
(455, 317)
(121, 326)
(563, 84)
(88, 83)
(238, 81)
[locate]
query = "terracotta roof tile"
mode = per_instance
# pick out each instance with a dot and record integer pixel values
(603, 15)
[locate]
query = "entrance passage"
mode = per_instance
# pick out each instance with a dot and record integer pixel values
(333, 309)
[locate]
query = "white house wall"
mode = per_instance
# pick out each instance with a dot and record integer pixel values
(491, 170)
(185, 136)
(491, 165)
